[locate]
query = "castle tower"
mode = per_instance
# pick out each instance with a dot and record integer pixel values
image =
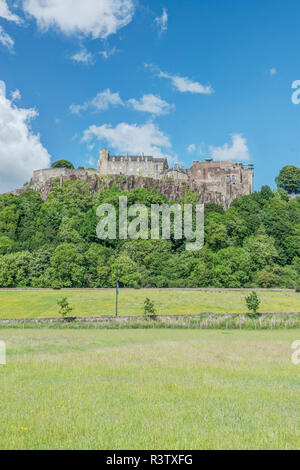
(103, 161)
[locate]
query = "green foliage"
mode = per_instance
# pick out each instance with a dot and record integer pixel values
(149, 308)
(65, 308)
(255, 243)
(289, 179)
(62, 164)
(253, 303)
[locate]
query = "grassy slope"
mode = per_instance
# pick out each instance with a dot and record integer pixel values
(33, 304)
(149, 390)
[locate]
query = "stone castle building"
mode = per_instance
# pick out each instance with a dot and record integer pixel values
(215, 181)
(231, 179)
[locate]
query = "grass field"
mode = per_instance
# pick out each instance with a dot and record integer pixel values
(42, 303)
(154, 389)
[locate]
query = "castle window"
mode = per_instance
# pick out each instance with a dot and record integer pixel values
(228, 179)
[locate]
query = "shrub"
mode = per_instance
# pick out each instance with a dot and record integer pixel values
(253, 303)
(149, 308)
(65, 308)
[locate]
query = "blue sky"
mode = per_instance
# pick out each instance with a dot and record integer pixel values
(185, 79)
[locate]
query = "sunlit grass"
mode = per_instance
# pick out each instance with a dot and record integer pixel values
(154, 389)
(42, 303)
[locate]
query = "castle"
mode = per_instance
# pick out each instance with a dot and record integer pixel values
(215, 181)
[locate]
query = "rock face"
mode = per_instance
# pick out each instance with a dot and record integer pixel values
(215, 182)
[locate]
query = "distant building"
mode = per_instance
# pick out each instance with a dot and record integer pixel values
(220, 182)
(229, 178)
(132, 165)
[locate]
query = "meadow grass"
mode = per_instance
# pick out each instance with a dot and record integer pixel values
(206, 322)
(149, 389)
(89, 302)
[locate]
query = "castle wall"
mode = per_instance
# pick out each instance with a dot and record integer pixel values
(230, 179)
(125, 166)
(42, 180)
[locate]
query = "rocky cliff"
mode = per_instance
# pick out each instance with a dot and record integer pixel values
(43, 180)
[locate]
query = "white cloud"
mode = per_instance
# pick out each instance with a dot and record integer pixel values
(95, 18)
(101, 102)
(131, 138)
(83, 56)
(191, 148)
(184, 84)
(151, 104)
(238, 150)
(21, 150)
(2, 88)
(6, 39)
(108, 52)
(15, 95)
(162, 21)
(273, 71)
(7, 14)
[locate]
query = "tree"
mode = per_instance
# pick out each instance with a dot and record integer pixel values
(73, 196)
(62, 164)
(65, 308)
(67, 266)
(5, 245)
(14, 269)
(261, 249)
(149, 308)
(231, 267)
(289, 179)
(253, 303)
(213, 207)
(129, 275)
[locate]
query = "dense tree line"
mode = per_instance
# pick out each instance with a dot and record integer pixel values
(256, 242)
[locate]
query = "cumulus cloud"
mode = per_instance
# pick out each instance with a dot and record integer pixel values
(101, 102)
(238, 150)
(83, 56)
(95, 18)
(15, 95)
(131, 138)
(21, 151)
(273, 71)
(6, 40)
(7, 14)
(151, 104)
(182, 84)
(162, 21)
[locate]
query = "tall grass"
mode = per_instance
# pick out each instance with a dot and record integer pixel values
(209, 322)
